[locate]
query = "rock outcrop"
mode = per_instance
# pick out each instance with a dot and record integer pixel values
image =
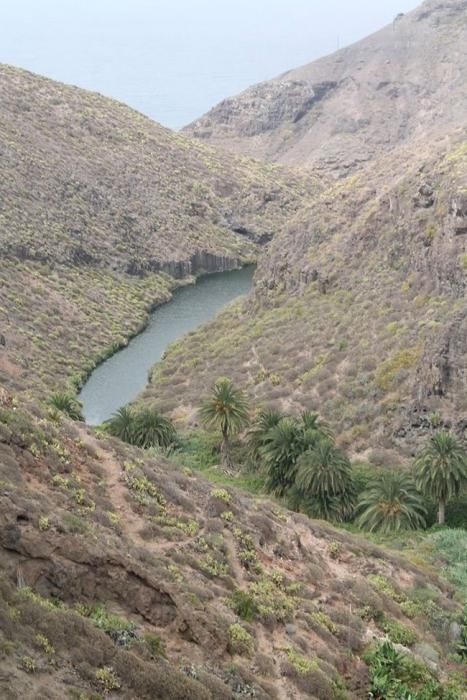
(343, 110)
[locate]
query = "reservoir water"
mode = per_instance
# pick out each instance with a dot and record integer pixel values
(119, 379)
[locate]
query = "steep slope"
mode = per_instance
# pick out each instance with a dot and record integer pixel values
(120, 572)
(100, 211)
(394, 87)
(358, 312)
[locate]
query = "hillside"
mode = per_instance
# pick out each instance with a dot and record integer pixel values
(98, 206)
(123, 576)
(337, 113)
(359, 306)
(358, 310)
(125, 573)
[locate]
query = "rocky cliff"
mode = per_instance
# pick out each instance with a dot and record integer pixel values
(394, 87)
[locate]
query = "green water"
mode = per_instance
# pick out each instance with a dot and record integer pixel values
(120, 379)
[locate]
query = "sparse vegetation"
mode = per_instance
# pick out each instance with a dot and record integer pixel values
(140, 552)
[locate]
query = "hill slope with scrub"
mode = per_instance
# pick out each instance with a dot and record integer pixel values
(101, 210)
(358, 310)
(125, 576)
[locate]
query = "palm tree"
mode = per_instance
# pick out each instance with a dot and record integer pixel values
(152, 430)
(122, 424)
(226, 410)
(441, 470)
(324, 480)
(266, 419)
(391, 503)
(283, 444)
(312, 421)
(66, 403)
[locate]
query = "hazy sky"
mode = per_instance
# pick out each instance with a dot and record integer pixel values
(173, 59)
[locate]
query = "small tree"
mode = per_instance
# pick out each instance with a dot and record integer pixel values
(312, 421)
(266, 419)
(391, 503)
(68, 404)
(441, 470)
(122, 424)
(226, 410)
(152, 430)
(324, 481)
(283, 444)
(144, 428)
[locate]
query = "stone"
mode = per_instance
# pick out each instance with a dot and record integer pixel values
(428, 653)
(455, 631)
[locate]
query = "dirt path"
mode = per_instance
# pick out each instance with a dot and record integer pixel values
(130, 522)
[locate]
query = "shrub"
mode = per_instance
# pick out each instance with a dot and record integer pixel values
(28, 664)
(42, 641)
(324, 620)
(43, 522)
(240, 641)
(301, 663)
(68, 404)
(221, 495)
(145, 428)
(107, 679)
(451, 547)
(243, 604)
(155, 644)
(394, 675)
(397, 632)
(274, 603)
(462, 644)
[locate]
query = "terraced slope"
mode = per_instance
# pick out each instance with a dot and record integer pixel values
(98, 205)
(405, 84)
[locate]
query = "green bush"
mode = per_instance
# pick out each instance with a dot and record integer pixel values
(144, 428)
(107, 679)
(68, 404)
(397, 632)
(155, 644)
(240, 641)
(244, 605)
(450, 546)
(397, 676)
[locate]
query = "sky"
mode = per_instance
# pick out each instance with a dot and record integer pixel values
(174, 59)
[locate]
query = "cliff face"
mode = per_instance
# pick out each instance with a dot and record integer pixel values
(394, 87)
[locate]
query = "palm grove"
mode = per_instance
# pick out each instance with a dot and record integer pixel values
(300, 463)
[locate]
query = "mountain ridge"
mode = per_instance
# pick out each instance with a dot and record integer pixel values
(340, 111)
